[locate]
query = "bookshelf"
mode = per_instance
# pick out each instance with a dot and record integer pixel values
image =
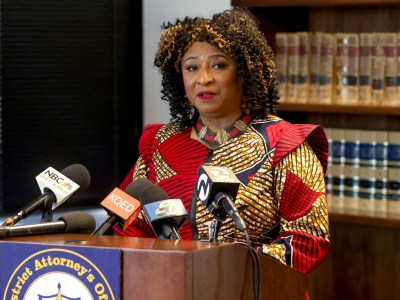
(363, 261)
(356, 217)
(311, 3)
(341, 109)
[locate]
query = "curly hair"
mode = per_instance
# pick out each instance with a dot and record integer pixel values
(235, 32)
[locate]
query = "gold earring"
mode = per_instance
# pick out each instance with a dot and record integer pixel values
(246, 105)
(190, 110)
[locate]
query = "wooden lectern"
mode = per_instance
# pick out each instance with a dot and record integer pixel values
(157, 269)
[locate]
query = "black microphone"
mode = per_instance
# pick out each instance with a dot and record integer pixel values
(164, 215)
(121, 207)
(216, 188)
(74, 222)
(56, 187)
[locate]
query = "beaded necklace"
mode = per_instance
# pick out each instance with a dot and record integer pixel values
(216, 139)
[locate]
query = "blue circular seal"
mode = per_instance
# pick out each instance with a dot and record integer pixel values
(57, 274)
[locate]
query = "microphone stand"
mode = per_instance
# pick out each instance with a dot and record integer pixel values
(217, 227)
(47, 211)
(213, 230)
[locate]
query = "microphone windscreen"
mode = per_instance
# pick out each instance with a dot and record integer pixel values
(152, 194)
(78, 174)
(145, 191)
(78, 222)
(136, 187)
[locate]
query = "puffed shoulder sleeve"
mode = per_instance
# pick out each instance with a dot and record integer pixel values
(304, 239)
(147, 146)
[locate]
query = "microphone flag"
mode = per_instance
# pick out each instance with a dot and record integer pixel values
(214, 179)
(168, 209)
(59, 184)
(123, 205)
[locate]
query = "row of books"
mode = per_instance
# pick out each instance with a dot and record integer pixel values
(364, 170)
(341, 68)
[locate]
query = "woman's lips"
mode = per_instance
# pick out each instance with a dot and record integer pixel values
(206, 95)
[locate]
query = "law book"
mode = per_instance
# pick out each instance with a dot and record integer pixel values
(328, 174)
(393, 191)
(337, 168)
(351, 168)
(381, 141)
(393, 149)
(381, 148)
(380, 196)
(378, 67)
(398, 65)
(393, 167)
(293, 66)
(304, 69)
(337, 196)
(346, 68)
(350, 187)
(351, 146)
(365, 68)
(391, 69)
(281, 42)
(326, 68)
(338, 146)
(368, 146)
(373, 161)
(366, 189)
(315, 62)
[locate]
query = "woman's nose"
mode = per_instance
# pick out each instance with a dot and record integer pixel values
(205, 77)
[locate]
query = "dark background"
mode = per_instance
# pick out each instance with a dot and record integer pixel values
(71, 92)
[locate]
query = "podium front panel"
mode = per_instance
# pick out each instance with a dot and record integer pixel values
(165, 269)
(35, 271)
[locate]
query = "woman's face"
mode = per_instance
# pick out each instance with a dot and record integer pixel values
(211, 82)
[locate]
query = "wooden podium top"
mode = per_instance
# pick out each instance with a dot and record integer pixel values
(181, 270)
(149, 244)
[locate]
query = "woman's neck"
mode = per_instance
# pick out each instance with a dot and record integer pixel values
(214, 139)
(216, 124)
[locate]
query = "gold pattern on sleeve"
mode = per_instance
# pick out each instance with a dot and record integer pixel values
(163, 170)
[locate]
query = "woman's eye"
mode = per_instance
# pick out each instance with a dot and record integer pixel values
(218, 66)
(191, 68)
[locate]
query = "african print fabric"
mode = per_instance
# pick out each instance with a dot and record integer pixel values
(281, 168)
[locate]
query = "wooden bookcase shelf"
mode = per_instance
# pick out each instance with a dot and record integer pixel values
(285, 3)
(364, 218)
(363, 260)
(331, 16)
(341, 109)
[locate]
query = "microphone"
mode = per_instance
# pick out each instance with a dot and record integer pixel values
(74, 222)
(121, 206)
(216, 188)
(56, 187)
(164, 215)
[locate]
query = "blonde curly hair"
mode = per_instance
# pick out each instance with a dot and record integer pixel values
(235, 32)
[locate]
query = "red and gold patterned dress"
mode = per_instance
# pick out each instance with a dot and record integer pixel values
(281, 168)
